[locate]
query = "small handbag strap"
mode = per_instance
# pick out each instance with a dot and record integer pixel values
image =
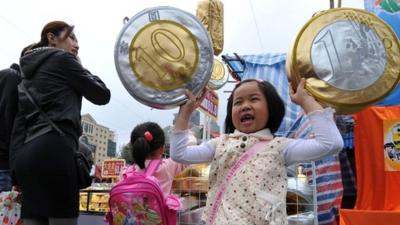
(244, 158)
(153, 166)
(28, 94)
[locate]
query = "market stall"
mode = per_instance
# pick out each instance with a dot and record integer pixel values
(93, 204)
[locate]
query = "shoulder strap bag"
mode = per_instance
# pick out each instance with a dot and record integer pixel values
(82, 164)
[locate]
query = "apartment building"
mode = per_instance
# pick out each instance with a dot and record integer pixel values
(99, 136)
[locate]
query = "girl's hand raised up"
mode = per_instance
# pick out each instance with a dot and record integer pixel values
(302, 98)
(186, 109)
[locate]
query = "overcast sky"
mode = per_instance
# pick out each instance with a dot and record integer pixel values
(250, 27)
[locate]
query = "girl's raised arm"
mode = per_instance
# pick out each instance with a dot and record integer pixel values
(186, 110)
(303, 99)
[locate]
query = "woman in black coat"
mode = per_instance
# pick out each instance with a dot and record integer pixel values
(42, 160)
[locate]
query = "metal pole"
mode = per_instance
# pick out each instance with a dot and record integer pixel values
(314, 187)
(204, 127)
(208, 128)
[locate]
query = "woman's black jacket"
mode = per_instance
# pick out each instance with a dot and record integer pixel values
(57, 82)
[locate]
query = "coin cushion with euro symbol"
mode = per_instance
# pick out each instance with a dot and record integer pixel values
(349, 58)
(160, 52)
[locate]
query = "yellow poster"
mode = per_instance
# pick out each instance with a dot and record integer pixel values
(391, 145)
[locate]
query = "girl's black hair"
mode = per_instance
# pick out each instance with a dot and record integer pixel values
(276, 106)
(142, 148)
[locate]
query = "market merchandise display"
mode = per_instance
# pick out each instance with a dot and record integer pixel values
(192, 186)
(94, 199)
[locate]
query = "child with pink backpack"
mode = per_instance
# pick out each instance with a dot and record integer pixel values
(143, 195)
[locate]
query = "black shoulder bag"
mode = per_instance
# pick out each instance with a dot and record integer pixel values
(82, 164)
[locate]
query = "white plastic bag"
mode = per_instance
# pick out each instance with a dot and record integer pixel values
(10, 208)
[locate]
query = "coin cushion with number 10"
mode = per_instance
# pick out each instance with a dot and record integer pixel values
(159, 53)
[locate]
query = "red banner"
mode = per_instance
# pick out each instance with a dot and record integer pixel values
(210, 104)
(112, 167)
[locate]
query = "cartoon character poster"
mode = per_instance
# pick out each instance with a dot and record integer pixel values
(391, 145)
(388, 10)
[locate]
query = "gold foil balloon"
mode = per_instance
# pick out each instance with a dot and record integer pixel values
(160, 52)
(211, 14)
(350, 58)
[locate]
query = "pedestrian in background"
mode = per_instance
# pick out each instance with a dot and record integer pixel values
(9, 80)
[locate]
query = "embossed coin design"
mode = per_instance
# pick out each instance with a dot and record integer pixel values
(167, 61)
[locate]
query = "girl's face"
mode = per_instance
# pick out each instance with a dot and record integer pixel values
(249, 108)
(69, 43)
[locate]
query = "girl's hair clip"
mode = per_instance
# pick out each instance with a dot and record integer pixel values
(148, 136)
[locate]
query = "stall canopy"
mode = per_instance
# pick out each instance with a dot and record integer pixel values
(392, 99)
(269, 67)
(388, 10)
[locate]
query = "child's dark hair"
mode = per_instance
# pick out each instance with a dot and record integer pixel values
(276, 106)
(146, 138)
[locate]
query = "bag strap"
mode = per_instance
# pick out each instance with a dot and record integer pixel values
(244, 158)
(28, 94)
(128, 171)
(153, 166)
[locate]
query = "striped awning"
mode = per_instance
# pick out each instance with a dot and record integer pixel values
(269, 67)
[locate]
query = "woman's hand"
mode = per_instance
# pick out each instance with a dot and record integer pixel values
(302, 98)
(187, 108)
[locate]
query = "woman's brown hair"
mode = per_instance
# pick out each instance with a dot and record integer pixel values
(54, 27)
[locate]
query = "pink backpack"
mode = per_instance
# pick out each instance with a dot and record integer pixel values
(138, 200)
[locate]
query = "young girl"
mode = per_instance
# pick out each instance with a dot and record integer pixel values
(256, 192)
(147, 143)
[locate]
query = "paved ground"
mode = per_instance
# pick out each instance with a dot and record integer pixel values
(91, 220)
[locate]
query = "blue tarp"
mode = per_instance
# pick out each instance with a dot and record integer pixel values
(269, 67)
(392, 99)
(389, 11)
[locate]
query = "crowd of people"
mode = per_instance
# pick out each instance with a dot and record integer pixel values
(40, 106)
